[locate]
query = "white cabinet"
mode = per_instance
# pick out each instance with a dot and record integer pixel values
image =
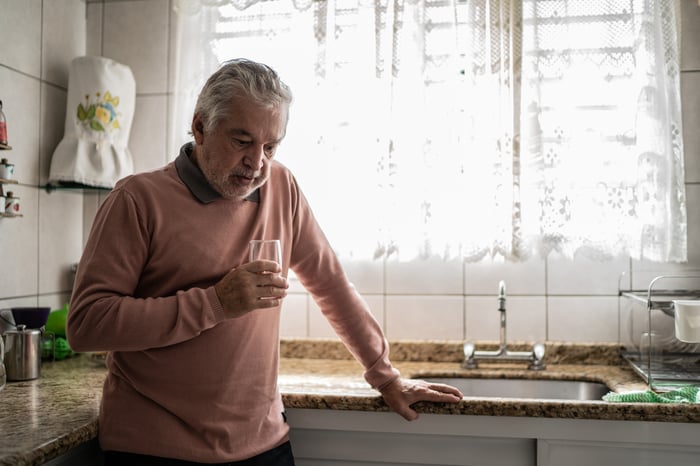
(353, 438)
(573, 453)
(617, 443)
(345, 438)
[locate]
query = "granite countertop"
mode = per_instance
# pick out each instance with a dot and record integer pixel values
(43, 418)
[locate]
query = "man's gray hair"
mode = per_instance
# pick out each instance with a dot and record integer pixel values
(239, 78)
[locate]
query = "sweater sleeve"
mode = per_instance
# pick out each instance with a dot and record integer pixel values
(320, 272)
(105, 311)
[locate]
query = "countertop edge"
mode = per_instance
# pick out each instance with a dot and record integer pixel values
(321, 375)
(499, 407)
(54, 448)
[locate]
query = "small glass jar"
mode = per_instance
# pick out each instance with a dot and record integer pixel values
(11, 204)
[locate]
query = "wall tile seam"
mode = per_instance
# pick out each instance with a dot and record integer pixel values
(155, 94)
(35, 295)
(25, 74)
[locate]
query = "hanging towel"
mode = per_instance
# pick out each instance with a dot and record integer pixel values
(101, 101)
(687, 394)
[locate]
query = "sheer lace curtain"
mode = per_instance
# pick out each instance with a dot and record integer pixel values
(475, 129)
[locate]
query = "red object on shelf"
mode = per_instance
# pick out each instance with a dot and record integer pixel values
(3, 127)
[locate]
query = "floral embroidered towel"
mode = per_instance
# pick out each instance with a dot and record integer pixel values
(100, 109)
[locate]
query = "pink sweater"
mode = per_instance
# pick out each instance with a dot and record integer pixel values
(182, 380)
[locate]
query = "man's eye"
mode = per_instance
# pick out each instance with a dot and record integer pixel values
(240, 142)
(270, 151)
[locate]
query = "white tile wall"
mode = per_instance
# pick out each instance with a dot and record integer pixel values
(21, 19)
(95, 19)
(553, 299)
(424, 276)
(583, 318)
(526, 318)
(294, 319)
(39, 40)
(21, 104)
(136, 33)
(147, 141)
(584, 276)
(53, 106)
(63, 35)
(424, 317)
(366, 275)
(319, 326)
(522, 278)
(57, 252)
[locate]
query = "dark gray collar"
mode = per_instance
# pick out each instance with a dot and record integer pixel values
(194, 179)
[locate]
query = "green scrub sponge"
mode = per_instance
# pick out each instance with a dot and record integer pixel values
(687, 394)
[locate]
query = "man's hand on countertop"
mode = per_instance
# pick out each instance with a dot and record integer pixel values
(401, 393)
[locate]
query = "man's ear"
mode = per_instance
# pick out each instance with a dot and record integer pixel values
(197, 128)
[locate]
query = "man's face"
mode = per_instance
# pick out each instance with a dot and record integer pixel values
(235, 156)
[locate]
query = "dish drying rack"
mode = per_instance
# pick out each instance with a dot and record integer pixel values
(650, 346)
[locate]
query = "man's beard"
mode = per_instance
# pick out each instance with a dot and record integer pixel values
(230, 186)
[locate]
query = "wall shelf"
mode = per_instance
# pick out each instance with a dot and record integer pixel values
(73, 187)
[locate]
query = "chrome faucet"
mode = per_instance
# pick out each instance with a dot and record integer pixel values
(471, 355)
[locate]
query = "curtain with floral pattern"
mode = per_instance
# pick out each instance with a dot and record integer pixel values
(474, 129)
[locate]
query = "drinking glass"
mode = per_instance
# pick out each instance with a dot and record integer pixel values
(266, 249)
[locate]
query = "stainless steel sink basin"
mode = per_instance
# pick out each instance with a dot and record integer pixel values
(524, 388)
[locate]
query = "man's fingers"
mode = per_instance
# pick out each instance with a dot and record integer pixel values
(446, 391)
(270, 291)
(263, 266)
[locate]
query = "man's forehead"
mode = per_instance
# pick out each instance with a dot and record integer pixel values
(265, 123)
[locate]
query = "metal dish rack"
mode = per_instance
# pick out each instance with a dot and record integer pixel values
(648, 332)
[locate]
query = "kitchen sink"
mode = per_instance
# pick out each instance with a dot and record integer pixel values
(524, 388)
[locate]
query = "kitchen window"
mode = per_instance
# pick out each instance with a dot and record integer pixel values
(497, 129)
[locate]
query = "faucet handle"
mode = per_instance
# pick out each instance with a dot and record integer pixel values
(537, 357)
(469, 349)
(469, 361)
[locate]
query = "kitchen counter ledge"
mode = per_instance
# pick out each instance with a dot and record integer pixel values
(44, 418)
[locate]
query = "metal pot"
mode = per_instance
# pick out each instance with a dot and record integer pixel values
(22, 353)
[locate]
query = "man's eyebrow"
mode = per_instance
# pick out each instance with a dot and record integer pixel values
(243, 132)
(239, 132)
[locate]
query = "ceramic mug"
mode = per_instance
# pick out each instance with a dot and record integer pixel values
(2, 204)
(7, 170)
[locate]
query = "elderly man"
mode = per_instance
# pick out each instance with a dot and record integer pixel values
(191, 325)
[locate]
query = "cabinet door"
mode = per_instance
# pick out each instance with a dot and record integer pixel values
(344, 438)
(573, 453)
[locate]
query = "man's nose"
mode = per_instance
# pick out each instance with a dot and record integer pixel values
(254, 157)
